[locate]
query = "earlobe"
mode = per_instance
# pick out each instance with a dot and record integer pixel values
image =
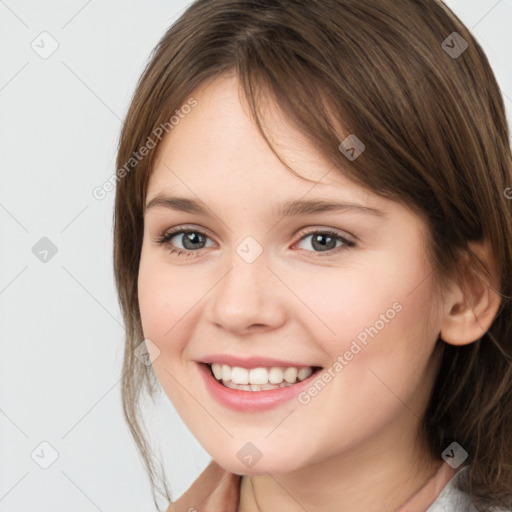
(471, 308)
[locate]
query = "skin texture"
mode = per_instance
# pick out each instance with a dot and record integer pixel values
(354, 446)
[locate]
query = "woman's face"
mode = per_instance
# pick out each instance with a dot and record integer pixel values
(258, 289)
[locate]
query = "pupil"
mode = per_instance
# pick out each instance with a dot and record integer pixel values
(191, 238)
(322, 246)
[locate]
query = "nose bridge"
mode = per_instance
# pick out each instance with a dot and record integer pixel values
(248, 293)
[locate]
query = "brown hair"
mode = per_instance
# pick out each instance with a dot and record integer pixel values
(436, 139)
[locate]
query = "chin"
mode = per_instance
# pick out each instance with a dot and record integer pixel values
(268, 464)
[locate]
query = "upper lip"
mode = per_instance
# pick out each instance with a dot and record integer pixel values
(252, 362)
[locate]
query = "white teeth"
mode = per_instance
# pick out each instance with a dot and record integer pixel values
(239, 375)
(257, 379)
(290, 375)
(217, 370)
(304, 373)
(226, 372)
(258, 376)
(275, 375)
(256, 387)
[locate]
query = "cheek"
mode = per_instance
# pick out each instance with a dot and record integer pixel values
(378, 317)
(386, 358)
(166, 298)
(337, 304)
(166, 302)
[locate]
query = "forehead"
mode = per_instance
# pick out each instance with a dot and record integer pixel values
(216, 150)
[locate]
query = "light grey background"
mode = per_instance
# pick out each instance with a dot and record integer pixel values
(61, 333)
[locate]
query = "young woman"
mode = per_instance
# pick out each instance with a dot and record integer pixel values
(312, 249)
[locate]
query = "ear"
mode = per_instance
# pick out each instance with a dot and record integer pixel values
(471, 307)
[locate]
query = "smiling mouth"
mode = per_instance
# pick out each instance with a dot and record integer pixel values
(260, 378)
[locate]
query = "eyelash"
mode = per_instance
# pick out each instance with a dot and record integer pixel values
(166, 237)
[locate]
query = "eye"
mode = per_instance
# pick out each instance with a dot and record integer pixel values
(190, 239)
(324, 241)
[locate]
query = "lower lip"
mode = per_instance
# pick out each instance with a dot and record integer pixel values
(251, 401)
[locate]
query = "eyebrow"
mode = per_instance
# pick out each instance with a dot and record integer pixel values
(287, 209)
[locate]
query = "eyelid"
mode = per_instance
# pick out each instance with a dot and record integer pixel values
(347, 241)
(318, 229)
(305, 231)
(165, 236)
(178, 230)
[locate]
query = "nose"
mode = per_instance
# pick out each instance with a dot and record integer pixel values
(248, 297)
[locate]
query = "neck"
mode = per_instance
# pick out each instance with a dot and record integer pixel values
(378, 477)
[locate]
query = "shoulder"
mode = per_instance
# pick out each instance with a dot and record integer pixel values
(452, 498)
(214, 489)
